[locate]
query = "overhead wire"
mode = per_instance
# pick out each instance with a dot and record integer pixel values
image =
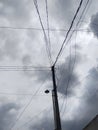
(67, 34)
(68, 80)
(86, 7)
(48, 27)
(65, 100)
(63, 45)
(76, 26)
(69, 77)
(45, 36)
(20, 94)
(37, 115)
(34, 117)
(23, 68)
(69, 66)
(39, 29)
(21, 114)
(74, 59)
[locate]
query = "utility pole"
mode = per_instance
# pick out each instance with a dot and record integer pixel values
(57, 121)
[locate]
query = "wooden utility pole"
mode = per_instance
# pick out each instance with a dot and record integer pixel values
(57, 121)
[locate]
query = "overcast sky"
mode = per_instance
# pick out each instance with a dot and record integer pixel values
(23, 103)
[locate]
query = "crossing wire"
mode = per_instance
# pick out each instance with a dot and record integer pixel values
(34, 117)
(48, 28)
(18, 118)
(28, 122)
(74, 59)
(69, 76)
(67, 34)
(19, 94)
(45, 36)
(88, 1)
(76, 26)
(23, 68)
(39, 29)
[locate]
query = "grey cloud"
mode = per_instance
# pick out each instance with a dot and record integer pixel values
(7, 115)
(67, 77)
(45, 124)
(13, 44)
(1, 54)
(94, 25)
(11, 48)
(63, 11)
(9, 44)
(78, 47)
(91, 94)
(26, 59)
(14, 10)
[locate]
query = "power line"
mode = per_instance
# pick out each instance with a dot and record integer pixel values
(83, 11)
(81, 80)
(23, 68)
(74, 59)
(48, 28)
(76, 31)
(14, 94)
(39, 29)
(70, 75)
(20, 94)
(77, 24)
(13, 125)
(41, 23)
(68, 81)
(75, 49)
(80, 4)
(34, 117)
(72, 71)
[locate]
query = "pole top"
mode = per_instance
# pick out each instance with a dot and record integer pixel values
(52, 67)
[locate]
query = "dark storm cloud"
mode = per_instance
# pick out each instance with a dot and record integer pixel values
(7, 115)
(94, 24)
